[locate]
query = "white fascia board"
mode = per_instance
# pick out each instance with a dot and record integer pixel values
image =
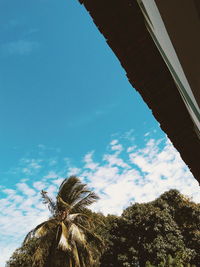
(157, 29)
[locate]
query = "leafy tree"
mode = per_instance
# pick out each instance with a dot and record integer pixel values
(186, 214)
(23, 256)
(171, 262)
(66, 238)
(161, 233)
(147, 233)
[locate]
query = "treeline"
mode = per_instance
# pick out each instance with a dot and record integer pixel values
(164, 232)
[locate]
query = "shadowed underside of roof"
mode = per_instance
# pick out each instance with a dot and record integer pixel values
(122, 24)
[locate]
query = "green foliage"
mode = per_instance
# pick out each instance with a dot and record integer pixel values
(161, 233)
(171, 262)
(23, 256)
(146, 234)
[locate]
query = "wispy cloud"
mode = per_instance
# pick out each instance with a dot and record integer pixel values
(10, 25)
(31, 166)
(20, 47)
(125, 173)
(94, 115)
(141, 176)
(31, 31)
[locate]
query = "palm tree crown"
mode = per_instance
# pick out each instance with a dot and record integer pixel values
(65, 239)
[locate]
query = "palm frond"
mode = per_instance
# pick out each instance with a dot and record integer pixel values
(47, 200)
(31, 234)
(77, 235)
(79, 191)
(62, 205)
(39, 257)
(87, 200)
(41, 230)
(67, 187)
(64, 240)
(91, 236)
(45, 228)
(77, 218)
(85, 256)
(80, 244)
(42, 251)
(28, 236)
(75, 255)
(75, 194)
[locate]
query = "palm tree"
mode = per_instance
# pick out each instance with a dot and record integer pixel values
(66, 239)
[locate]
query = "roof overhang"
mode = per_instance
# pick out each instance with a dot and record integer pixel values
(159, 61)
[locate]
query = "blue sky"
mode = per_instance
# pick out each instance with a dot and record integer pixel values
(61, 85)
(66, 107)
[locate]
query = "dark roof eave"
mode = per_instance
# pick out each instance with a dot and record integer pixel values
(122, 24)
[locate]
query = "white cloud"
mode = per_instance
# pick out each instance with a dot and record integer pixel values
(25, 189)
(115, 146)
(139, 175)
(39, 185)
(41, 146)
(89, 163)
(58, 181)
(113, 142)
(52, 162)
(10, 192)
(113, 159)
(131, 148)
(30, 166)
(20, 47)
(5, 253)
(147, 134)
(73, 171)
(35, 165)
(51, 175)
(18, 215)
